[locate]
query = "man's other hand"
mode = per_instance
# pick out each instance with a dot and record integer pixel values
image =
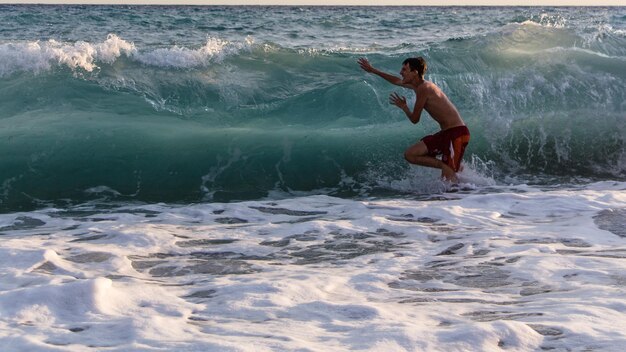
(365, 65)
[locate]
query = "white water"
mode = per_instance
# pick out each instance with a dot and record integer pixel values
(42, 56)
(516, 268)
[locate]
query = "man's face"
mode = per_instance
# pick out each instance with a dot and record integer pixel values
(407, 75)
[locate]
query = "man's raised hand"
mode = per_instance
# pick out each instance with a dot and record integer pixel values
(365, 65)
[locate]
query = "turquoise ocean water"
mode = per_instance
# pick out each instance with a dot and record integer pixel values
(187, 104)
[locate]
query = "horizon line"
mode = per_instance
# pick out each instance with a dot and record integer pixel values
(301, 5)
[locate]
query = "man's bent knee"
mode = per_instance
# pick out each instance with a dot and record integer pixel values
(411, 156)
(414, 152)
(408, 156)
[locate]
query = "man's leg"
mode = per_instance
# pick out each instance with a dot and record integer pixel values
(418, 154)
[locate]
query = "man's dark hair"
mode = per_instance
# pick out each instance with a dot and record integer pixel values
(416, 63)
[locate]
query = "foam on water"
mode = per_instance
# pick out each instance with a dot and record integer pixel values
(37, 57)
(518, 268)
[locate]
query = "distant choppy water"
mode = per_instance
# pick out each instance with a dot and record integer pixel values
(185, 104)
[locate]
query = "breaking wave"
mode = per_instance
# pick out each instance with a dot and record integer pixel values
(231, 120)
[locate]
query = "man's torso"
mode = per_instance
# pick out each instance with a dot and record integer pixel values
(439, 106)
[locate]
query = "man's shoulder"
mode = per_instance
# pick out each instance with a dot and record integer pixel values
(430, 85)
(426, 86)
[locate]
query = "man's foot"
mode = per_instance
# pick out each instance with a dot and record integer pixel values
(448, 174)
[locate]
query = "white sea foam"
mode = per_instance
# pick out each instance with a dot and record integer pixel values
(546, 20)
(214, 50)
(112, 48)
(40, 56)
(515, 268)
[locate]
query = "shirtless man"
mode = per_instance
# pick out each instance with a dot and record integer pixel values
(454, 136)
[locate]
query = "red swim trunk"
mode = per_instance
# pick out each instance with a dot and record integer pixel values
(450, 144)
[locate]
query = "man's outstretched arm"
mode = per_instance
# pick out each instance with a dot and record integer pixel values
(367, 67)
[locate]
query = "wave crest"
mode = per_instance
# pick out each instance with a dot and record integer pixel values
(214, 50)
(41, 56)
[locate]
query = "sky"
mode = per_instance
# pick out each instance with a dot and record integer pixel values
(337, 2)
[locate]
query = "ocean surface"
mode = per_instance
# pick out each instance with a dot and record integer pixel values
(228, 179)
